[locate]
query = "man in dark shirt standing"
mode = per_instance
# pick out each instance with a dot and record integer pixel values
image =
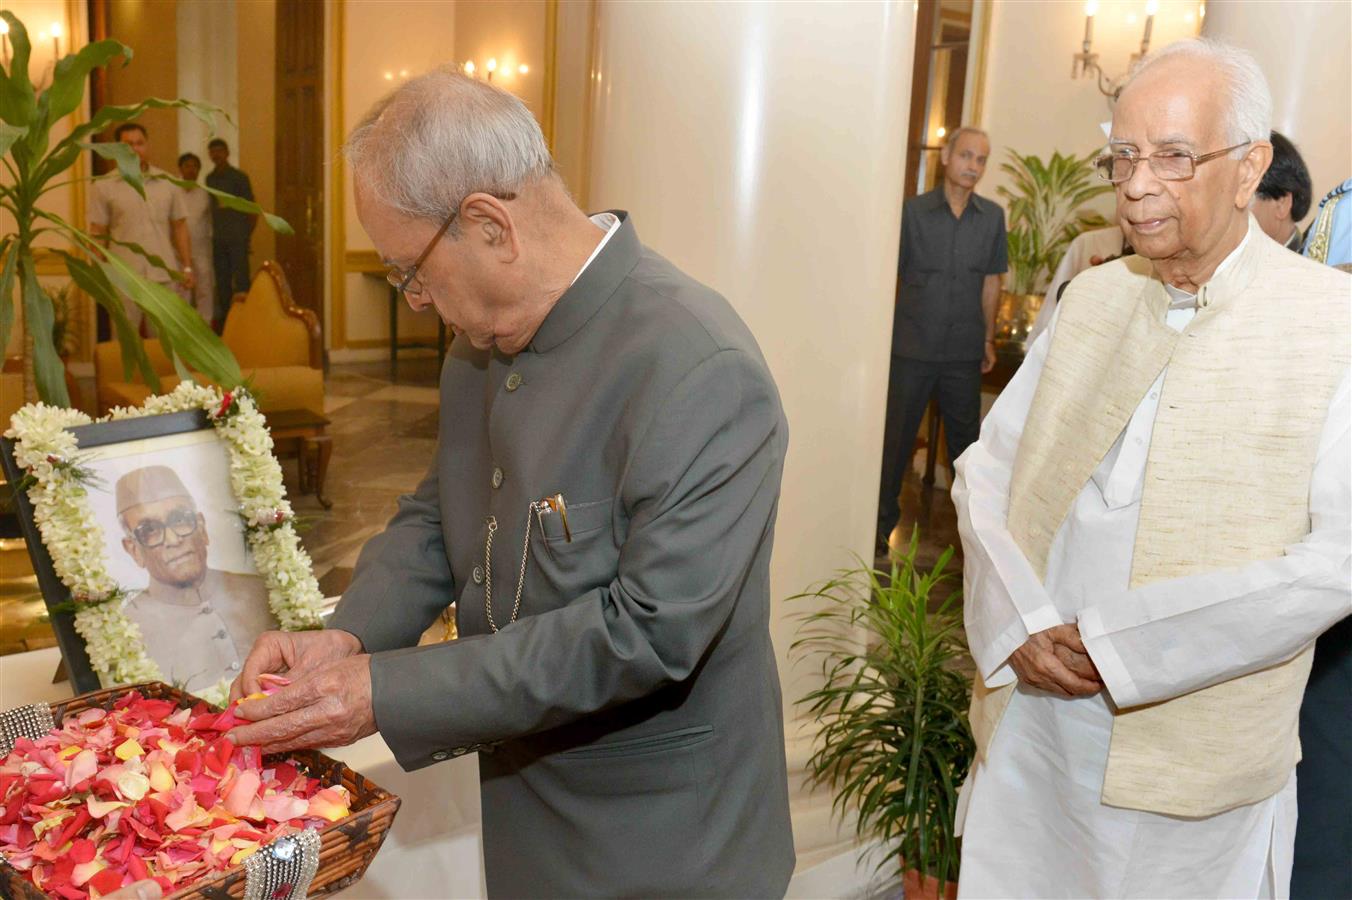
(952, 255)
(230, 231)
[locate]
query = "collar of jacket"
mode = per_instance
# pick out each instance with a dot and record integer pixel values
(1228, 283)
(592, 289)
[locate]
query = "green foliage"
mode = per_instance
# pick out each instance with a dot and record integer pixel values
(1045, 214)
(894, 743)
(33, 167)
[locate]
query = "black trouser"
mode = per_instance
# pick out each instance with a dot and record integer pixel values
(231, 260)
(909, 387)
(1323, 861)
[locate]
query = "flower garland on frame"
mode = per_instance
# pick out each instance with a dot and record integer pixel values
(56, 481)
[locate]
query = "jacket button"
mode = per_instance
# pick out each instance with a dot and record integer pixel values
(477, 575)
(441, 756)
(497, 476)
(513, 381)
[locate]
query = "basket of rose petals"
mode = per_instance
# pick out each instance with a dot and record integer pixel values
(139, 783)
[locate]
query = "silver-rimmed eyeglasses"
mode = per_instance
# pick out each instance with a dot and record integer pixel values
(1168, 165)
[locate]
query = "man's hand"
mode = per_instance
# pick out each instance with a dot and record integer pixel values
(1056, 661)
(189, 279)
(294, 653)
(988, 359)
(328, 707)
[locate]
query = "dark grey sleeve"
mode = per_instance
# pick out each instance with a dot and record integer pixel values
(999, 261)
(701, 490)
(402, 580)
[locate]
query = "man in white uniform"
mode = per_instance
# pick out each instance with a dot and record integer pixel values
(197, 207)
(1156, 527)
(157, 221)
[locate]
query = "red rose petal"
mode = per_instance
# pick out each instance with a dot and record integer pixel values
(81, 850)
(108, 880)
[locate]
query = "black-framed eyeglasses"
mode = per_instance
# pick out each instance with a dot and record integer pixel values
(402, 279)
(150, 533)
(1168, 165)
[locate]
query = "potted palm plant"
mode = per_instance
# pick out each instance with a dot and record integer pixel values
(1045, 202)
(893, 742)
(34, 165)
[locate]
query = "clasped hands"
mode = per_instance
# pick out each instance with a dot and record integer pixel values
(327, 703)
(1055, 660)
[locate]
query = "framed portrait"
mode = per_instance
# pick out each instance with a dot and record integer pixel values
(163, 543)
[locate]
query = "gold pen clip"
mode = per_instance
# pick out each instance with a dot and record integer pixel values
(556, 504)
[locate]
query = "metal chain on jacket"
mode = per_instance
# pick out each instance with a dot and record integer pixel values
(537, 508)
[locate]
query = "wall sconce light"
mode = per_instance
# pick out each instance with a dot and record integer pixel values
(4, 41)
(491, 68)
(1086, 61)
(52, 31)
(940, 132)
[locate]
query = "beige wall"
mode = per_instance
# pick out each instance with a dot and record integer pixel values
(513, 33)
(1305, 50)
(149, 27)
(1031, 104)
(572, 116)
(256, 43)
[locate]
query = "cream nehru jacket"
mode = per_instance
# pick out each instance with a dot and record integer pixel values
(1227, 482)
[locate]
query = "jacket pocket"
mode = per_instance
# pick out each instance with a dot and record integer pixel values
(640, 746)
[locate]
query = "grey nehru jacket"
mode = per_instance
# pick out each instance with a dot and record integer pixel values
(944, 262)
(629, 724)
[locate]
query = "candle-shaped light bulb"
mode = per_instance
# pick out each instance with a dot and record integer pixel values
(4, 27)
(1089, 9)
(389, 76)
(55, 29)
(940, 131)
(469, 68)
(1150, 8)
(492, 65)
(523, 68)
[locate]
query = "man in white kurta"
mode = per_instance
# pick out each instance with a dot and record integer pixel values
(1075, 638)
(197, 211)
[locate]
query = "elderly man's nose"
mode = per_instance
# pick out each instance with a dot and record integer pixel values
(171, 537)
(1143, 181)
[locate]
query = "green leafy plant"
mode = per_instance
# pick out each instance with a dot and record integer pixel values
(34, 167)
(894, 742)
(1045, 203)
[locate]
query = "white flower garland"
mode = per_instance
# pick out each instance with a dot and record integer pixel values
(48, 453)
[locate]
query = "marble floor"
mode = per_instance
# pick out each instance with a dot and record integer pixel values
(383, 438)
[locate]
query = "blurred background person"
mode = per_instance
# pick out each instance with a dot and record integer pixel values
(231, 230)
(1284, 194)
(197, 206)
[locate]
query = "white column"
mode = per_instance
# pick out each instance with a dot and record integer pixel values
(1305, 50)
(207, 68)
(760, 147)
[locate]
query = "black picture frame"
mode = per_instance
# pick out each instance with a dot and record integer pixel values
(54, 593)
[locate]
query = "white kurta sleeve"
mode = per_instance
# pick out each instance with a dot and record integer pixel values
(1004, 599)
(1172, 637)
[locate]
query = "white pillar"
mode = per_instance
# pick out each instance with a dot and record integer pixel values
(760, 147)
(206, 35)
(1305, 49)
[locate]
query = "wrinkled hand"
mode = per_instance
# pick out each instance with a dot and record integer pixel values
(329, 706)
(988, 359)
(292, 653)
(1056, 661)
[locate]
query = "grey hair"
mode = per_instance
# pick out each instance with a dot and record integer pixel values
(1248, 115)
(443, 136)
(952, 139)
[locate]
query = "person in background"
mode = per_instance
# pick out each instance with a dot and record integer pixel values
(1329, 240)
(230, 230)
(1090, 248)
(953, 252)
(197, 206)
(1284, 194)
(1155, 524)
(156, 222)
(1323, 785)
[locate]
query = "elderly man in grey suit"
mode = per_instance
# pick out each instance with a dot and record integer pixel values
(600, 510)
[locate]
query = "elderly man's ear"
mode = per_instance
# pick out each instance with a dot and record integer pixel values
(485, 215)
(133, 550)
(1251, 169)
(202, 529)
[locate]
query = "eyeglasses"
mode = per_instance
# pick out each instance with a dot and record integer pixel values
(1168, 165)
(402, 279)
(151, 532)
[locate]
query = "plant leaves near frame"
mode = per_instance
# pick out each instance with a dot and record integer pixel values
(90, 279)
(48, 370)
(128, 163)
(68, 82)
(18, 103)
(239, 204)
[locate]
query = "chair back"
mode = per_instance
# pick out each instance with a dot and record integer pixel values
(265, 327)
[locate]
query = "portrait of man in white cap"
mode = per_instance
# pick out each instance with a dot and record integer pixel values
(197, 623)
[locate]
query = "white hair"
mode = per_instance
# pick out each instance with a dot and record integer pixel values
(952, 139)
(443, 136)
(1248, 114)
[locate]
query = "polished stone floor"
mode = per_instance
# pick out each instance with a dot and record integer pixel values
(383, 438)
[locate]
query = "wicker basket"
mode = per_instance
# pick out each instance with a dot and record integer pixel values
(346, 847)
